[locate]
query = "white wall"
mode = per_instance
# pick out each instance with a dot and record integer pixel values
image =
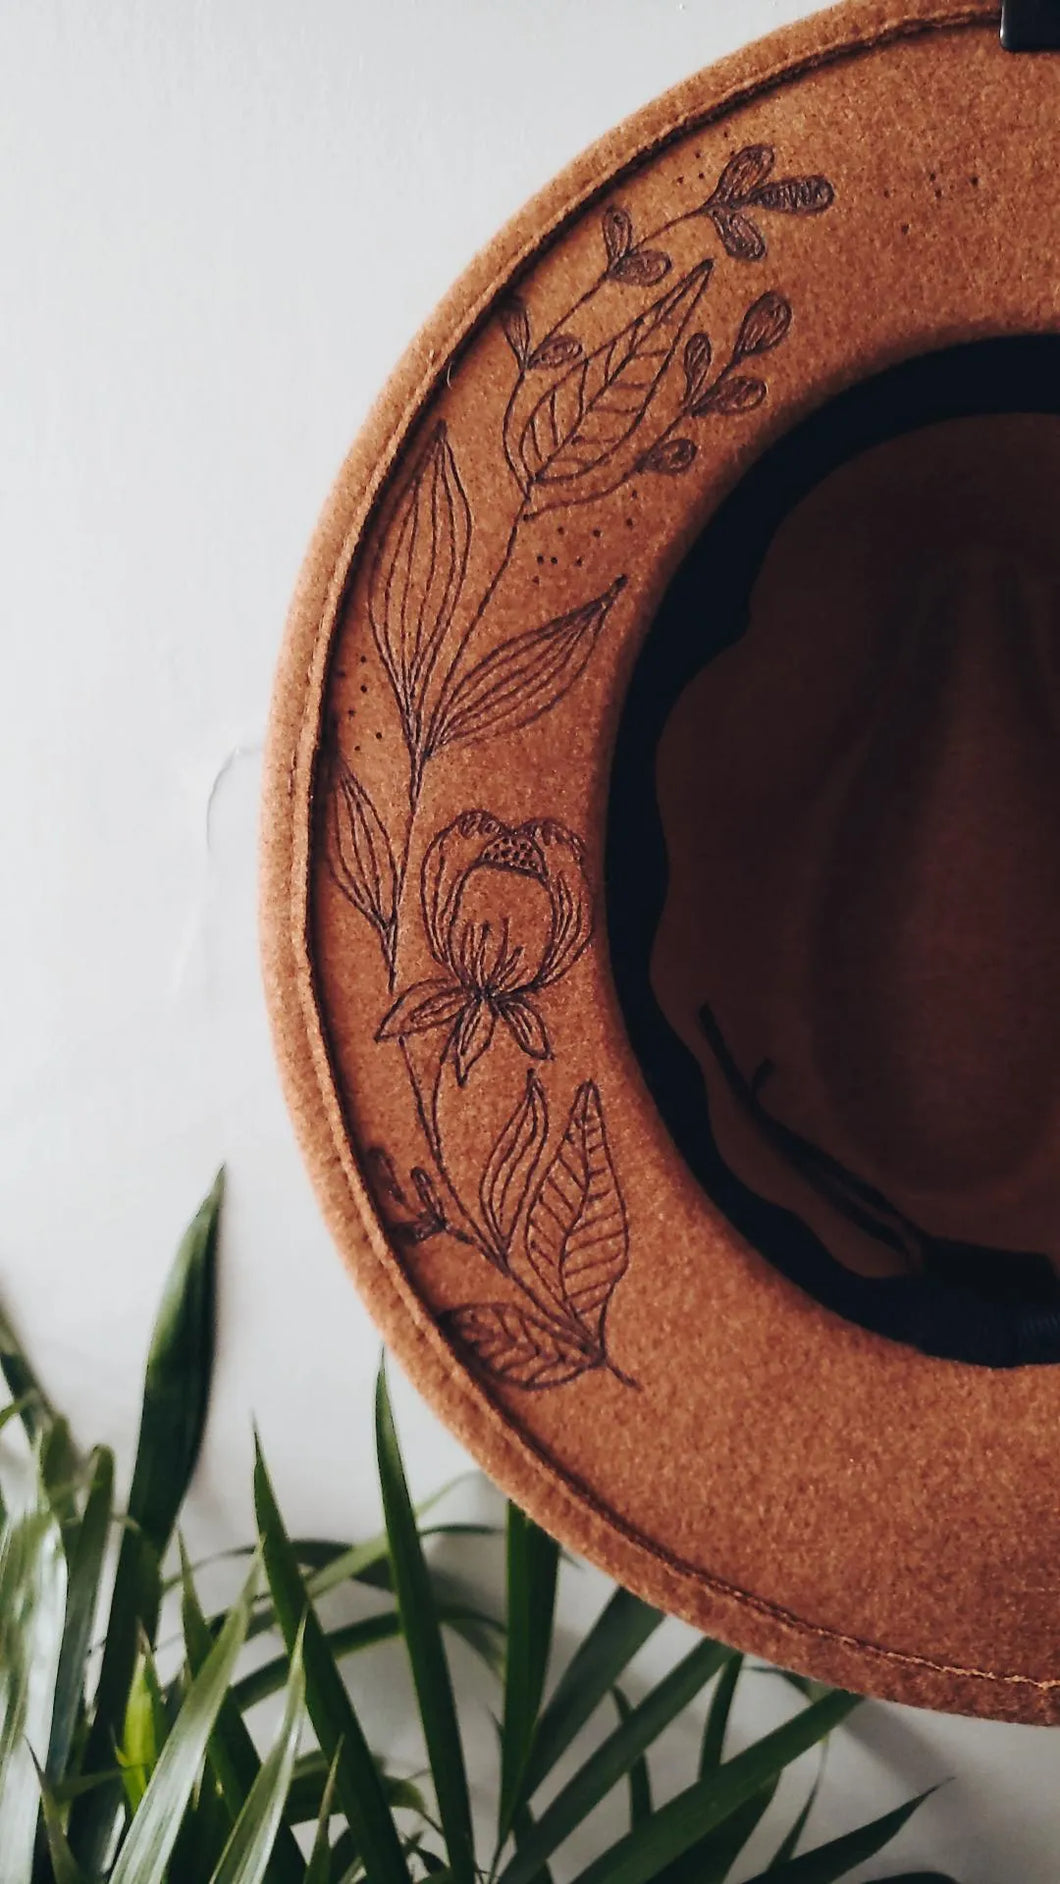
(220, 221)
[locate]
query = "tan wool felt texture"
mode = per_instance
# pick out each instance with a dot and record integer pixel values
(870, 185)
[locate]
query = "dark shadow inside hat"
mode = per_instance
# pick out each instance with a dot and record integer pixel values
(833, 880)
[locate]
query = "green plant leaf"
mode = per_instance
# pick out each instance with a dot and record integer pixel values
(611, 1761)
(713, 1747)
(145, 1728)
(172, 1419)
(357, 1785)
(710, 1860)
(60, 1469)
(34, 1407)
(791, 1840)
(86, 1551)
(245, 1859)
(423, 1640)
(270, 1677)
(684, 1820)
(318, 1870)
(146, 1850)
(311, 1776)
(841, 1855)
(532, 1568)
(331, 1565)
(230, 1751)
(619, 1631)
(65, 1868)
(639, 1776)
(32, 1608)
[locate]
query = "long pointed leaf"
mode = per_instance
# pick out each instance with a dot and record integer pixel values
(87, 1551)
(152, 1834)
(318, 1870)
(622, 1628)
(717, 1722)
(245, 1859)
(639, 1776)
(679, 1824)
(331, 1711)
(611, 1761)
(32, 1607)
(35, 1409)
(172, 1419)
(231, 1752)
(710, 1860)
(792, 1838)
(423, 1640)
(349, 1640)
(65, 1868)
(840, 1855)
(532, 1565)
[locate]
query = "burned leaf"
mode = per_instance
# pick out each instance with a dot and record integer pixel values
(513, 1163)
(525, 676)
(743, 173)
(617, 228)
(670, 456)
(765, 325)
(418, 575)
(512, 1345)
(795, 196)
(588, 416)
(577, 1237)
(742, 239)
(559, 350)
(732, 395)
(516, 324)
(641, 268)
(359, 855)
(698, 355)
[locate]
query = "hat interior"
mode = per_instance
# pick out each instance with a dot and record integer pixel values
(833, 881)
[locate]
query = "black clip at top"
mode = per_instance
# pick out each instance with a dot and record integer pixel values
(1030, 25)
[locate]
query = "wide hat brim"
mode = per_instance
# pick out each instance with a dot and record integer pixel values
(870, 186)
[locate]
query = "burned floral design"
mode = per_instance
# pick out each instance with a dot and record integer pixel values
(497, 964)
(596, 398)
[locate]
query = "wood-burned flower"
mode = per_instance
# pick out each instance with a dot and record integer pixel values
(507, 911)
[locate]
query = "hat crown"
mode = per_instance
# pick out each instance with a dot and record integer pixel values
(940, 904)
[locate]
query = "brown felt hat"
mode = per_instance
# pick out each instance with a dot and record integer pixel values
(662, 886)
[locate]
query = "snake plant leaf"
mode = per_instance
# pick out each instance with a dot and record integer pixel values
(532, 1568)
(612, 1761)
(318, 1870)
(172, 1419)
(646, 1852)
(146, 1849)
(619, 1631)
(32, 1610)
(423, 1641)
(639, 1777)
(246, 1857)
(840, 1855)
(230, 1751)
(713, 1746)
(358, 1788)
(86, 1551)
